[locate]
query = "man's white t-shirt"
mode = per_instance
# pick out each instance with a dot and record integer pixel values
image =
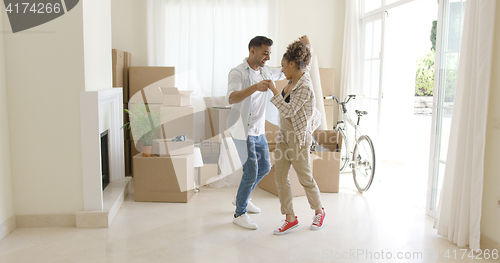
(257, 121)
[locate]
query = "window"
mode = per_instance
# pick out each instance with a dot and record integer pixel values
(204, 39)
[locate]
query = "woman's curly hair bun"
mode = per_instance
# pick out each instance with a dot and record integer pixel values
(299, 53)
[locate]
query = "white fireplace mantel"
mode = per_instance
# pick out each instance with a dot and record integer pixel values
(90, 104)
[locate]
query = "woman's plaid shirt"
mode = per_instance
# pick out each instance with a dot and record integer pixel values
(301, 109)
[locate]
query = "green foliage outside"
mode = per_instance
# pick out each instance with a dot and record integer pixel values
(433, 34)
(424, 80)
(424, 77)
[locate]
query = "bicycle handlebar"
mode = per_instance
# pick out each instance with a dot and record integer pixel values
(343, 103)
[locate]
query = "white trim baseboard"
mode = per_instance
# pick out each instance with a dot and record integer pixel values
(45, 220)
(7, 227)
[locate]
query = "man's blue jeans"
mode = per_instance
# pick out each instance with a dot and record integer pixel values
(254, 155)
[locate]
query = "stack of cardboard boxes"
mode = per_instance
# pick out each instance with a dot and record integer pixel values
(168, 176)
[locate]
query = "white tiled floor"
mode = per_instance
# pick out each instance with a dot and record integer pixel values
(375, 224)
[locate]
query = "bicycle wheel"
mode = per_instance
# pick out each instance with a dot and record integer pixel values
(363, 168)
(344, 152)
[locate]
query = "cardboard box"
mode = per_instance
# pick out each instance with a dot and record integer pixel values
(172, 97)
(329, 114)
(268, 183)
(271, 133)
(328, 139)
(325, 167)
(215, 121)
(208, 171)
(163, 179)
(327, 76)
(177, 121)
(117, 64)
(145, 83)
(167, 147)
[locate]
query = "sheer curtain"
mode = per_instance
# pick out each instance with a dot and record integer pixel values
(459, 214)
(351, 59)
(204, 39)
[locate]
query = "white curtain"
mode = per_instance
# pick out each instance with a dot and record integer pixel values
(351, 58)
(459, 213)
(204, 39)
(350, 75)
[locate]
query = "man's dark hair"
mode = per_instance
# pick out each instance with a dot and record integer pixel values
(258, 41)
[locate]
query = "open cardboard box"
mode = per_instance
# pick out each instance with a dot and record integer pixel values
(163, 179)
(167, 147)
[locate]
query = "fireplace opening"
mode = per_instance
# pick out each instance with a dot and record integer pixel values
(105, 158)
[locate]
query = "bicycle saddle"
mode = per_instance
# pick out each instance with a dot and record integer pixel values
(361, 113)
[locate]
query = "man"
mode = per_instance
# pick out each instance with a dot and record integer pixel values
(248, 91)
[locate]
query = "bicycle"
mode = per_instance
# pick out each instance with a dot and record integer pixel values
(361, 158)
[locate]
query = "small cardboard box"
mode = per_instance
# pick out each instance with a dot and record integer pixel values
(172, 97)
(145, 83)
(177, 121)
(163, 179)
(167, 147)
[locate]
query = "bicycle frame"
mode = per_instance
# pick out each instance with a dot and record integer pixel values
(361, 157)
(347, 118)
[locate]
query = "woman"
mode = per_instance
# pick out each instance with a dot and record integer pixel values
(299, 117)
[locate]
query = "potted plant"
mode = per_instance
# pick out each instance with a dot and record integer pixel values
(144, 124)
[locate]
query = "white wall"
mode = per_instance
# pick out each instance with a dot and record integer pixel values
(129, 24)
(97, 44)
(45, 73)
(491, 212)
(323, 22)
(6, 197)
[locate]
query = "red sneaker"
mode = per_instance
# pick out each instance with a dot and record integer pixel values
(287, 226)
(318, 220)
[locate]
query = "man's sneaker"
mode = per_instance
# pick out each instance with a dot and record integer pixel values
(251, 208)
(287, 226)
(245, 221)
(318, 220)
